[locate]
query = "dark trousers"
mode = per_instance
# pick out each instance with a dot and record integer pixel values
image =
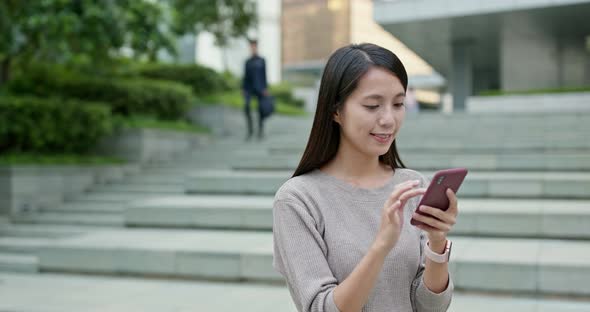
(248, 95)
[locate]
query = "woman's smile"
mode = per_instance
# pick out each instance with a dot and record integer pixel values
(382, 137)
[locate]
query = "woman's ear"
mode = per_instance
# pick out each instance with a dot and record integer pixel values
(337, 117)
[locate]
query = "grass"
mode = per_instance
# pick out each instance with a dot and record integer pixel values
(535, 91)
(152, 123)
(15, 158)
(236, 100)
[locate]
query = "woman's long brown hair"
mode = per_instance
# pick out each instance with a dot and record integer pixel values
(341, 75)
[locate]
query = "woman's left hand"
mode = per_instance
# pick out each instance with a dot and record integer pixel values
(438, 223)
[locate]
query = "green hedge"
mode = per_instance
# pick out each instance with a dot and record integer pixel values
(284, 93)
(51, 125)
(202, 80)
(162, 99)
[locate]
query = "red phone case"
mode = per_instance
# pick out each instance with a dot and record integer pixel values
(436, 194)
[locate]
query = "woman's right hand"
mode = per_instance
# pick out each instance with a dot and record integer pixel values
(392, 215)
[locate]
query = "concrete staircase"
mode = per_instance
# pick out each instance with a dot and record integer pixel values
(524, 224)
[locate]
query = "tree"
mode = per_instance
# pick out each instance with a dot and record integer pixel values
(223, 18)
(56, 30)
(63, 30)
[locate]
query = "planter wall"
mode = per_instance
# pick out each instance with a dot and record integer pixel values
(149, 145)
(222, 120)
(34, 187)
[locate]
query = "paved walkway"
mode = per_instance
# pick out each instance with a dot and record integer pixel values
(57, 292)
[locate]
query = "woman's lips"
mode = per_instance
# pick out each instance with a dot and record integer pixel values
(381, 138)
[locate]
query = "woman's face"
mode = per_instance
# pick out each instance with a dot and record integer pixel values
(373, 113)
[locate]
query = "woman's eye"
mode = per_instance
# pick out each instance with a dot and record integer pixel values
(398, 105)
(371, 107)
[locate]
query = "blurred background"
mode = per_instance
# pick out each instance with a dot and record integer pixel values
(126, 183)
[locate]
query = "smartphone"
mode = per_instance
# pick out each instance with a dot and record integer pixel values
(436, 193)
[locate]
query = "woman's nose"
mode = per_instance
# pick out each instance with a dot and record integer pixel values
(386, 119)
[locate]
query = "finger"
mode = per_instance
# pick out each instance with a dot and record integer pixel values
(429, 229)
(426, 228)
(401, 188)
(445, 216)
(400, 212)
(452, 200)
(436, 224)
(411, 193)
(392, 211)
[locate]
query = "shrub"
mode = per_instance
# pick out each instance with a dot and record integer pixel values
(284, 93)
(30, 124)
(163, 99)
(202, 80)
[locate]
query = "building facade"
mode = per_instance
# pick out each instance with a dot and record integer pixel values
(503, 45)
(313, 29)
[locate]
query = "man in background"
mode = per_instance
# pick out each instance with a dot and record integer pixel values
(254, 84)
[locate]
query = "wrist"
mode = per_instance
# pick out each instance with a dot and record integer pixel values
(435, 255)
(379, 249)
(438, 246)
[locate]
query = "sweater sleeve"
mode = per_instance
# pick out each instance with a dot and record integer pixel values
(424, 300)
(300, 256)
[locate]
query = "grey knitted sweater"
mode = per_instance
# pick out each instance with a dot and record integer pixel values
(324, 226)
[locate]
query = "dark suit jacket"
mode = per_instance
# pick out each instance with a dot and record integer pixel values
(254, 75)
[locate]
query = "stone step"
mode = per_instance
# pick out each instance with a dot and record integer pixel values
(234, 182)
(18, 263)
(141, 188)
(515, 265)
(94, 219)
(114, 197)
(89, 207)
(179, 171)
(69, 292)
(478, 217)
(44, 230)
(514, 162)
(524, 218)
(151, 177)
(23, 245)
(295, 147)
(564, 185)
(203, 211)
(226, 151)
(56, 291)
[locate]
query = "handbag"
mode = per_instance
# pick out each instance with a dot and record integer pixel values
(267, 106)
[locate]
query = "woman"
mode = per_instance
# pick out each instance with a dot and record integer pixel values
(341, 225)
